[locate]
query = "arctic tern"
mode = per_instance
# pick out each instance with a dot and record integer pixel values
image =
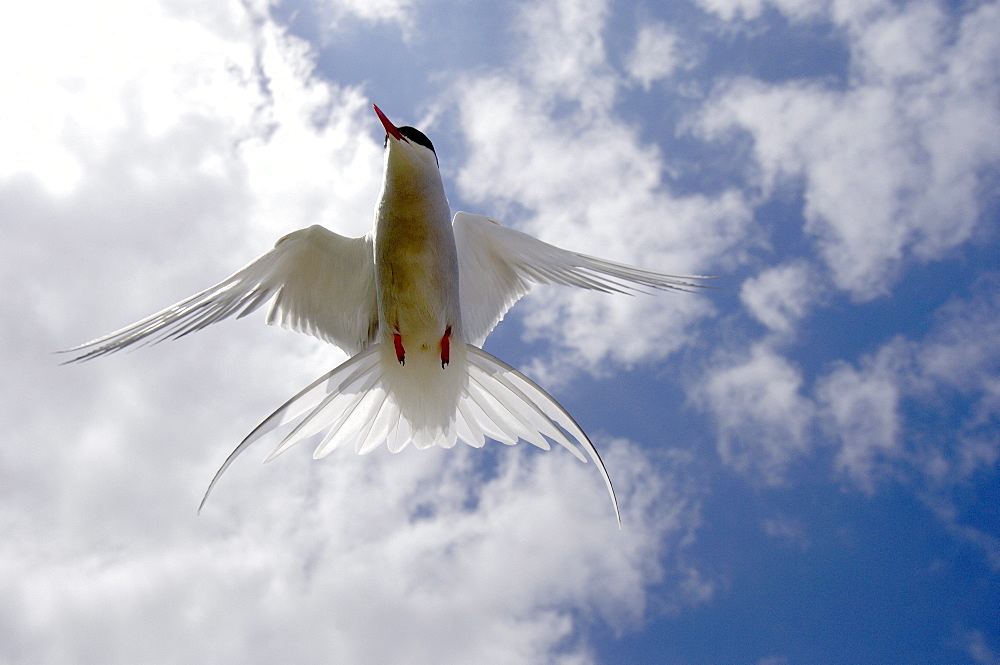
(412, 302)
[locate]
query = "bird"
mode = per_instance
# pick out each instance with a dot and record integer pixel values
(411, 303)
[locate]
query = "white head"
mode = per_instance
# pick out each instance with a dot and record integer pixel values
(407, 148)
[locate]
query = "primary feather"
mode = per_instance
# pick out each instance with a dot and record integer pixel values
(319, 283)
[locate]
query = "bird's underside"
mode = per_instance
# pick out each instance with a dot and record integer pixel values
(412, 318)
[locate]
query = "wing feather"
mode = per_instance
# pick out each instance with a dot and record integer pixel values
(498, 265)
(322, 284)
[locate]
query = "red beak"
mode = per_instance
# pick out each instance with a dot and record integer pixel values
(390, 128)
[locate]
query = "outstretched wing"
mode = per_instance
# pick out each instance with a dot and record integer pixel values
(498, 265)
(322, 284)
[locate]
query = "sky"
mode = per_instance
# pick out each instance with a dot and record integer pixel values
(806, 457)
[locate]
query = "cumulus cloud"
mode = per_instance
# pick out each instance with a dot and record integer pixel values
(767, 413)
(861, 407)
(890, 165)
(656, 55)
(781, 296)
(163, 161)
(729, 10)
(82, 80)
(795, 10)
(587, 181)
(763, 417)
(961, 356)
(336, 17)
(382, 10)
(151, 148)
(591, 186)
(563, 51)
(421, 561)
(865, 404)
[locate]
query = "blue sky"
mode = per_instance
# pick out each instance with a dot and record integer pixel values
(806, 457)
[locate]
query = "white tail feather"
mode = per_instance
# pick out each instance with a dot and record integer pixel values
(371, 399)
(399, 436)
(472, 436)
(337, 434)
(342, 401)
(379, 423)
(525, 423)
(534, 398)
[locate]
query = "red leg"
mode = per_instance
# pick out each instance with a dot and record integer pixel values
(397, 341)
(446, 347)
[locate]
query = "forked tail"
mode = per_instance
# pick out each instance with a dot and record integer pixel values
(369, 400)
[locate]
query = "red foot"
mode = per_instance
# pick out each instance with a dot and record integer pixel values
(397, 341)
(446, 347)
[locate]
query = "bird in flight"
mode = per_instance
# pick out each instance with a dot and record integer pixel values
(412, 302)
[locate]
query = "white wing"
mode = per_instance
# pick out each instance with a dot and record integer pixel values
(497, 265)
(322, 284)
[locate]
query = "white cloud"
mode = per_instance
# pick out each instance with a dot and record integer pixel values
(81, 79)
(587, 182)
(336, 16)
(593, 187)
(374, 10)
(795, 10)
(780, 297)
(729, 10)
(957, 359)
(764, 409)
(762, 416)
(159, 169)
(384, 560)
(96, 95)
(961, 357)
(861, 409)
(656, 55)
(891, 165)
(563, 52)
(900, 44)
(965, 343)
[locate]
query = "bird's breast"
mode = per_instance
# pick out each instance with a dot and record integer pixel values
(416, 277)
